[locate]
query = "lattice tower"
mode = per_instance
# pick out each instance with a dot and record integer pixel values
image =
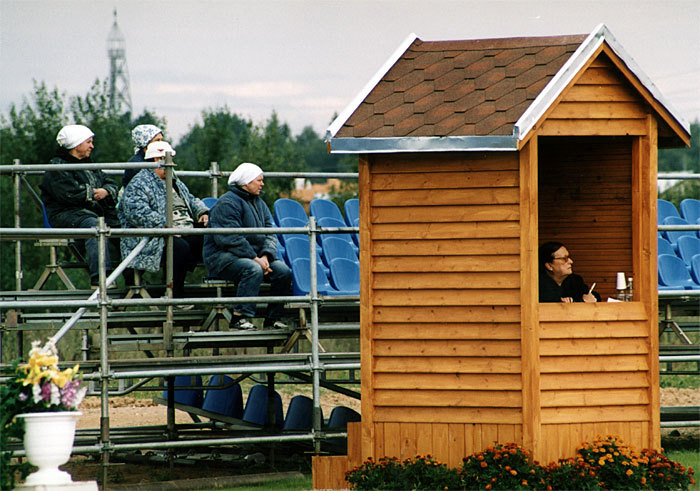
(119, 93)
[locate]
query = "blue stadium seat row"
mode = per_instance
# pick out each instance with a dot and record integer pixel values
(228, 401)
(679, 268)
(335, 276)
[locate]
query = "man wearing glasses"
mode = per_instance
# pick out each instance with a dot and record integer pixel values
(558, 283)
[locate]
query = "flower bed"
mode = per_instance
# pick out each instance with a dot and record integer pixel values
(603, 464)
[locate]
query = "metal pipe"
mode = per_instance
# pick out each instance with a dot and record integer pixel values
(315, 365)
(215, 174)
(104, 353)
(17, 181)
(79, 313)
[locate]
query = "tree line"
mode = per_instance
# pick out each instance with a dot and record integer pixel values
(28, 133)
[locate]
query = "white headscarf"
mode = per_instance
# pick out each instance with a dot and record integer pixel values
(244, 173)
(73, 135)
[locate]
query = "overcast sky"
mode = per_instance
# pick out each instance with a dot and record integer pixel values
(305, 59)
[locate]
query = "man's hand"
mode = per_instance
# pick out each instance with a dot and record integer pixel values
(567, 300)
(99, 193)
(264, 264)
(589, 297)
(204, 219)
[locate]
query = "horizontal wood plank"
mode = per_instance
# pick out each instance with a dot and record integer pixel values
(430, 214)
(448, 398)
(594, 397)
(445, 180)
(593, 380)
(594, 414)
(600, 93)
(425, 197)
(601, 110)
(392, 364)
(443, 330)
(593, 127)
(447, 264)
(444, 162)
(448, 381)
(593, 329)
(452, 247)
(476, 314)
(446, 297)
(448, 415)
(602, 311)
(457, 280)
(611, 363)
(440, 347)
(564, 347)
(446, 230)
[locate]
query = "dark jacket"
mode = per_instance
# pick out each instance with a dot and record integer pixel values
(129, 174)
(572, 286)
(237, 209)
(68, 194)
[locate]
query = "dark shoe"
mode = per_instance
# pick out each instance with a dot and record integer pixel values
(278, 324)
(242, 324)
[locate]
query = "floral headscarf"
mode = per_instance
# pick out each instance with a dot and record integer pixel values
(143, 134)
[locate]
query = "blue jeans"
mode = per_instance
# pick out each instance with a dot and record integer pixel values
(249, 276)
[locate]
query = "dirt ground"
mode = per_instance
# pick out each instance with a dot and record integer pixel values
(127, 411)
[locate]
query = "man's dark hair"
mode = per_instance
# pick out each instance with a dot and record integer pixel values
(547, 251)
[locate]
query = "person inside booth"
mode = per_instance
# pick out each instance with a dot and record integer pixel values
(558, 283)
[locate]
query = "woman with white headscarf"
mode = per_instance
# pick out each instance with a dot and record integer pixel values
(250, 259)
(76, 198)
(141, 135)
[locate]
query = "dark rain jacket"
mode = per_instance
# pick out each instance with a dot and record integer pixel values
(68, 194)
(238, 209)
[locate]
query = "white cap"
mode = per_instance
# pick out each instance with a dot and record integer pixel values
(244, 173)
(73, 135)
(158, 149)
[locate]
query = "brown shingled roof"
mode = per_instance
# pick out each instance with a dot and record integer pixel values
(460, 88)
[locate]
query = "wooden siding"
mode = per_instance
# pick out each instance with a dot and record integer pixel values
(585, 202)
(600, 103)
(444, 321)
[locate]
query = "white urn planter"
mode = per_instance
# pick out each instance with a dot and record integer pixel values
(48, 442)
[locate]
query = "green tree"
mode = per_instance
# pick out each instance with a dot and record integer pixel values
(682, 160)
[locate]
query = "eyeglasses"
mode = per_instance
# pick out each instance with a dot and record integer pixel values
(563, 258)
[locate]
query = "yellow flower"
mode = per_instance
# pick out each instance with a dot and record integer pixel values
(601, 462)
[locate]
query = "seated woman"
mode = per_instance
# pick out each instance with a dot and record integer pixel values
(558, 283)
(143, 206)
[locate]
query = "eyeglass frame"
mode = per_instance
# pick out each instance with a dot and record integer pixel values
(564, 258)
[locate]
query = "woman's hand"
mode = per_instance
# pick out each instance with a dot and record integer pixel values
(589, 298)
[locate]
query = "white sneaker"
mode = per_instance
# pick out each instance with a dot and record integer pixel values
(278, 324)
(243, 324)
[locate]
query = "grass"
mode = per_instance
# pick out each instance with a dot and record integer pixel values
(687, 458)
(287, 484)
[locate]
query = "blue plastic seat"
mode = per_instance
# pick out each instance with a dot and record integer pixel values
(227, 401)
(673, 274)
(210, 201)
(327, 222)
(345, 274)
(298, 248)
(289, 208)
(321, 208)
(665, 209)
(688, 246)
(673, 235)
(189, 397)
(301, 279)
(695, 268)
(300, 414)
(341, 416)
(334, 248)
(256, 407)
(352, 212)
(664, 247)
(690, 210)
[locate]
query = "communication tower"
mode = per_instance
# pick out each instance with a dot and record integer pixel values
(119, 94)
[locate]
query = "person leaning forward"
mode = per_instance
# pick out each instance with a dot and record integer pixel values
(558, 283)
(248, 259)
(76, 198)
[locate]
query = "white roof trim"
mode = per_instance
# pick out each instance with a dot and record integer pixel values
(362, 95)
(569, 70)
(424, 144)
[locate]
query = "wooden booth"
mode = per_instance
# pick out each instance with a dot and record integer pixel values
(471, 154)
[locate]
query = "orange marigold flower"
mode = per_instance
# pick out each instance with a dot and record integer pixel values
(513, 472)
(692, 481)
(488, 486)
(524, 482)
(548, 488)
(629, 472)
(513, 451)
(643, 480)
(484, 464)
(601, 461)
(494, 479)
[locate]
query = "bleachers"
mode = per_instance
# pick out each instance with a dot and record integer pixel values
(676, 248)
(345, 281)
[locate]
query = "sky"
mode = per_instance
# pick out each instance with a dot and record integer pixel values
(305, 59)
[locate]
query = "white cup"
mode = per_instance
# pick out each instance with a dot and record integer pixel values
(621, 283)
